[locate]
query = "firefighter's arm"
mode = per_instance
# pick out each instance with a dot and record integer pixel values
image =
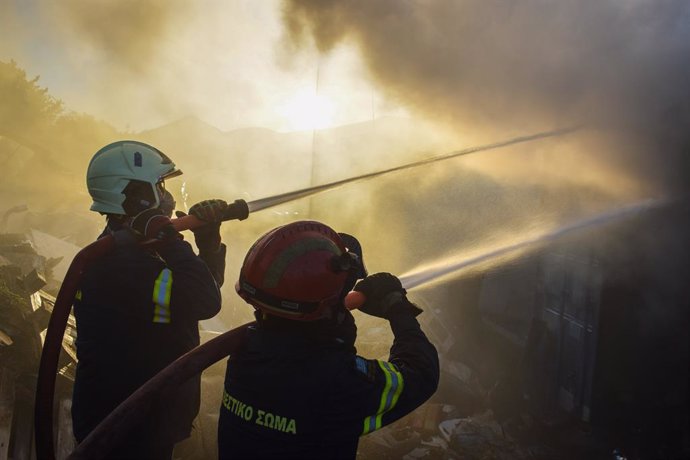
(416, 357)
(411, 374)
(185, 288)
(375, 393)
(369, 393)
(413, 363)
(186, 284)
(207, 237)
(383, 296)
(215, 261)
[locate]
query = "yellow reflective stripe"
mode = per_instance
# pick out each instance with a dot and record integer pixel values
(389, 397)
(161, 296)
(397, 389)
(77, 296)
(161, 314)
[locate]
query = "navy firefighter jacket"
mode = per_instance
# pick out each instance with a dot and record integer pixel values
(137, 311)
(288, 397)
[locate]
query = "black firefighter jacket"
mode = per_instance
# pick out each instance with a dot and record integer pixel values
(287, 397)
(136, 312)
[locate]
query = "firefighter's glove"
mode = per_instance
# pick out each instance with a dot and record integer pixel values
(209, 210)
(385, 296)
(153, 224)
(207, 237)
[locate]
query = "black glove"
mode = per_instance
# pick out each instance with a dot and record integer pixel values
(385, 296)
(207, 237)
(153, 224)
(209, 210)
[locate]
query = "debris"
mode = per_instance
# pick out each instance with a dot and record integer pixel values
(24, 314)
(481, 437)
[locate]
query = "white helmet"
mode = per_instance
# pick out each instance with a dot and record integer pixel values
(126, 177)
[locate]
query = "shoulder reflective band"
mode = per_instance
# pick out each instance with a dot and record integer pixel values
(161, 296)
(389, 396)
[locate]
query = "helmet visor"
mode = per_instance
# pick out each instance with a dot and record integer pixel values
(174, 173)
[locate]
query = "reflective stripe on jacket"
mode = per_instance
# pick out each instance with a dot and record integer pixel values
(132, 321)
(287, 396)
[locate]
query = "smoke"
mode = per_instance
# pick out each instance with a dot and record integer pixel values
(141, 64)
(495, 69)
(498, 66)
(128, 32)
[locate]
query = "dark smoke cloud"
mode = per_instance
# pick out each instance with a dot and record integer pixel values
(508, 66)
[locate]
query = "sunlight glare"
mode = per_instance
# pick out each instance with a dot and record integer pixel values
(306, 110)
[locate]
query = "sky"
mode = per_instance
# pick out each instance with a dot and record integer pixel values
(141, 64)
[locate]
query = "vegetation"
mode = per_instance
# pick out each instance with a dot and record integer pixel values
(44, 151)
(30, 116)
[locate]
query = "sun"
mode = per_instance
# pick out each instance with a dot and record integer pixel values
(306, 110)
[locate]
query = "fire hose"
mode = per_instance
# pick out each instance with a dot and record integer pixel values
(110, 431)
(45, 387)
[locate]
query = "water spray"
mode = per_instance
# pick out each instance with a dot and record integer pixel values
(432, 273)
(184, 194)
(275, 200)
(264, 203)
(421, 277)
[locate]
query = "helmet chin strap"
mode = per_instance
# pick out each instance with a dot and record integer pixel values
(167, 204)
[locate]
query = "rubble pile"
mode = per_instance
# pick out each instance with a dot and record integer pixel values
(25, 306)
(439, 432)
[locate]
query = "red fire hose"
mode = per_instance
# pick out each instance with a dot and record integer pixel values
(133, 409)
(45, 386)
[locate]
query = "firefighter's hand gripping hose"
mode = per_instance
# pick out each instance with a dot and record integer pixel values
(381, 295)
(207, 237)
(153, 224)
(45, 387)
(238, 210)
(210, 210)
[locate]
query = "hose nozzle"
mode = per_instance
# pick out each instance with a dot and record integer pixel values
(238, 210)
(354, 299)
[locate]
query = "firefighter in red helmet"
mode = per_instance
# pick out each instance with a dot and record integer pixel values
(297, 389)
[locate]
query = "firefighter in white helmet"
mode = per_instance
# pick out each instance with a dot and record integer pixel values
(137, 308)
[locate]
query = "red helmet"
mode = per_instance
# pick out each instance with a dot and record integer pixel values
(296, 271)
